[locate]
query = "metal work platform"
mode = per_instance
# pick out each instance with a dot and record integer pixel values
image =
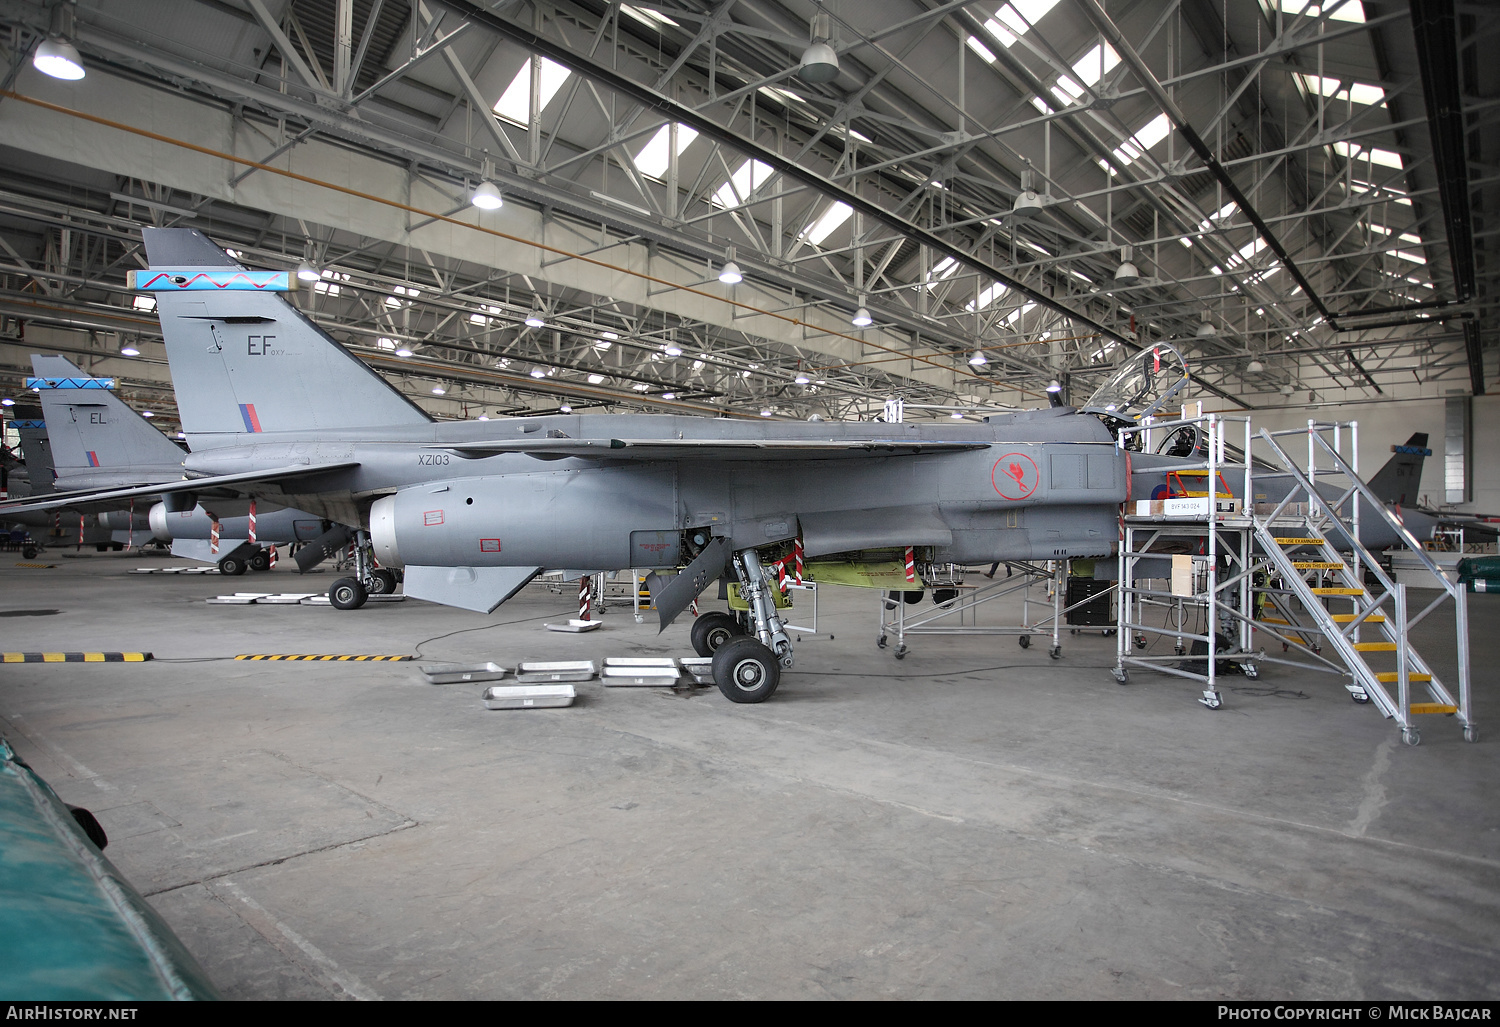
(1275, 546)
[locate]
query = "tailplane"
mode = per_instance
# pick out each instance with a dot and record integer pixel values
(96, 438)
(244, 360)
(1400, 480)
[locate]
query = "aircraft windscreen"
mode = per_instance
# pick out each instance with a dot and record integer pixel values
(1141, 386)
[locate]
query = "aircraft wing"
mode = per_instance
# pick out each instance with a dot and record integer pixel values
(272, 475)
(657, 449)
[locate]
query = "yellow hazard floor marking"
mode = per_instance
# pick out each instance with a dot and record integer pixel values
(39, 566)
(322, 658)
(74, 657)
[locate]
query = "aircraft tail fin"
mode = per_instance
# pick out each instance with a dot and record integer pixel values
(244, 360)
(36, 451)
(94, 433)
(1400, 480)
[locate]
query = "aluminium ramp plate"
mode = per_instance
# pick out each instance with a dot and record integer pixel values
(647, 671)
(700, 667)
(238, 599)
(534, 672)
(456, 673)
(575, 625)
(285, 598)
(529, 697)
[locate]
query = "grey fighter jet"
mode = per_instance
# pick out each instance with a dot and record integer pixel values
(275, 408)
(96, 441)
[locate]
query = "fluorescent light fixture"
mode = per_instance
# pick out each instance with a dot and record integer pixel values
(669, 395)
(731, 275)
(802, 379)
(765, 413)
(147, 413)
(1254, 367)
(671, 349)
(565, 409)
(861, 318)
(1054, 386)
(129, 350)
(403, 352)
(307, 273)
(537, 372)
(438, 390)
(978, 359)
(957, 415)
(535, 319)
(487, 196)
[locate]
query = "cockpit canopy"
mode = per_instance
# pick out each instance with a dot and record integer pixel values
(1142, 386)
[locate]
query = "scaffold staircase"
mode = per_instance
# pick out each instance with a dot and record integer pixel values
(1310, 541)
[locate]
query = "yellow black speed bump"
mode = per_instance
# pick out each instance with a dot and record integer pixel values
(74, 657)
(326, 658)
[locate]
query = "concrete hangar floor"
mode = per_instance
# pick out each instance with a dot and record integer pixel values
(977, 821)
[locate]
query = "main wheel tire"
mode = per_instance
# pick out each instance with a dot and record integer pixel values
(232, 566)
(29, 552)
(382, 582)
(713, 631)
(348, 594)
(260, 561)
(746, 671)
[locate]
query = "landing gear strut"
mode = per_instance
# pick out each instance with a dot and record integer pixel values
(352, 593)
(747, 670)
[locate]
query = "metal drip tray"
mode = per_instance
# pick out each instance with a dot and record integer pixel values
(528, 697)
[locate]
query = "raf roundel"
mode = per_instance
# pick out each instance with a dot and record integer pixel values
(1015, 476)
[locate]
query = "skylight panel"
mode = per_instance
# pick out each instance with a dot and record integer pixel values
(1350, 10)
(1387, 158)
(983, 51)
(1359, 92)
(1088, 68)
(515, 103)
(831, 219)
(1153, 132)
(986, 297)
(943, 269)
(749, 177)
(653, 159)
(1012, 20)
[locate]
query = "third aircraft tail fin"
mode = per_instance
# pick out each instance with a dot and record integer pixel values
(1400, 479)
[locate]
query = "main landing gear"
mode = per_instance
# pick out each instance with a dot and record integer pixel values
(747, 669)
(368, 580)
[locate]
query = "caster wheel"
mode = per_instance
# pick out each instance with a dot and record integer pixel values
(1360, 697)
(1024, 641)
(1140, 641)
(1471, 733)
(1252, 672)
(880, 641)
(1213, 703)
(1317, 649)
(1284, 647)
(1055, 652)
(347, 594)
(901, 652)
(1411, 736)
(1122, 677)
(1178, 650)
(1111, 632)
(1072, 631)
